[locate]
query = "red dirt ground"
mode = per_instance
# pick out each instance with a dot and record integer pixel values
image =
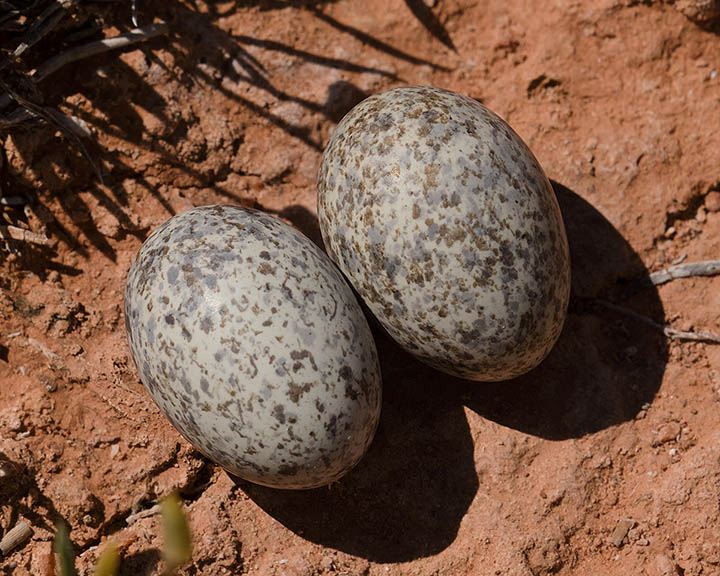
(619, 100)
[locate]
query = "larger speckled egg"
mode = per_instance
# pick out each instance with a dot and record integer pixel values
(253, 345)
(444, 222)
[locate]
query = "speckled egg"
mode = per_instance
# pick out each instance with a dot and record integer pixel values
(253, 345)
(447, 227)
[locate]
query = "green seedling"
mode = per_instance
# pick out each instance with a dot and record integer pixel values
(178, 546)
(65, 551)
(109, 561)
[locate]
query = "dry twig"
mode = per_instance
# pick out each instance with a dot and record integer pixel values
(697, 336)
(98, 47)
(49, 354)
(703, 268)
(142, 514)
(15, 537)
(22, 235)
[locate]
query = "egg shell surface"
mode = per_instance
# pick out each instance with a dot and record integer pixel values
(253, 345)
(444, 222)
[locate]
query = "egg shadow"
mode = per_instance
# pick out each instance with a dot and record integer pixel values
(407, 497)
(605, 365)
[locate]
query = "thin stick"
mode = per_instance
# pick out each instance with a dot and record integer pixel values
(17, 536)
(142, 514)
(98, 47)
(703, 268)
(22, 235)
(49, 354)
(698, 336)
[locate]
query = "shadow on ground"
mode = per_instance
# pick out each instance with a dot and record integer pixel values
(406, 499)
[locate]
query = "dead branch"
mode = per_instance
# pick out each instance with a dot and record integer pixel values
(697, 336)
(98, 47)
(703, 268)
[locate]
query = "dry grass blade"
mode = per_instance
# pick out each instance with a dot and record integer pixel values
(43, 25)
(98, 47)
(697, 336)
(55, 118)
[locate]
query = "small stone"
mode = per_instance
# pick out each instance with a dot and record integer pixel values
(700, 215)
(642, 542)
(712, 201)
(669, 432)
(670, 232)
(664, 566)
(621, 530)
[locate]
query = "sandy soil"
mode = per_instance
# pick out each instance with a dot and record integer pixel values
(620, 102)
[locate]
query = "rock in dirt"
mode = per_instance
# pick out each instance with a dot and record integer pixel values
(621, 530)
(712, 201)
(663, 566)
(669, 432)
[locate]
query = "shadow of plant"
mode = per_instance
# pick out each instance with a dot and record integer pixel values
(202, 53)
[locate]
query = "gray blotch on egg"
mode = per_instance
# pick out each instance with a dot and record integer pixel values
(253, 345)
(444, 222)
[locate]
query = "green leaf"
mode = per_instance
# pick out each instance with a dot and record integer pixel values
(178, 548)
(64, 550)
(109, 561)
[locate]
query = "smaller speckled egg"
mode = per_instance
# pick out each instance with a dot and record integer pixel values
(253, 345)
(444, 222)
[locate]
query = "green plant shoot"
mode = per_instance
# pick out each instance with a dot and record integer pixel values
(109, 561)
(178, 549)
(64, 549)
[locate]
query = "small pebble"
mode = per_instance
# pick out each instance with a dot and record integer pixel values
(712, 201)
(669, 432)
(621, 530)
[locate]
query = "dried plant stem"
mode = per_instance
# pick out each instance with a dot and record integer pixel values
(22, 235)
(697, 336)
(17, 536)
(130, 520)
(55, 118)
(703, 268)
(98, 47)
(45, 23)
